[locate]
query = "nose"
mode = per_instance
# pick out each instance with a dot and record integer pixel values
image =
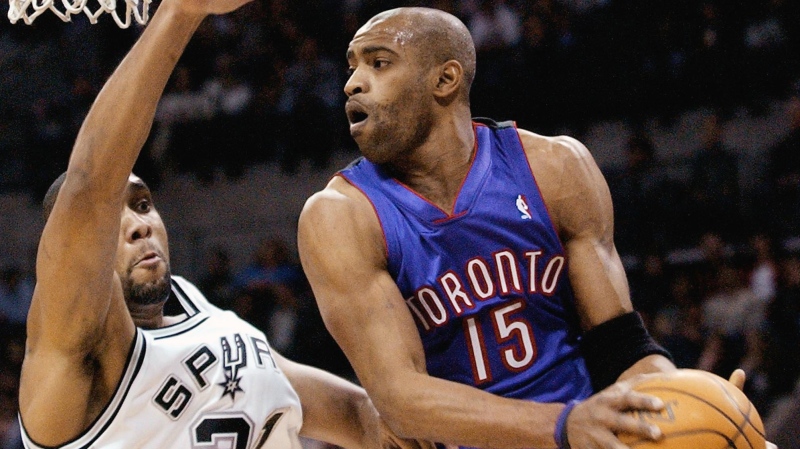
(355, 84)
(137, 228)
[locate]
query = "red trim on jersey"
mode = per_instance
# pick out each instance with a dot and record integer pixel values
(374, 209)
(535, 183)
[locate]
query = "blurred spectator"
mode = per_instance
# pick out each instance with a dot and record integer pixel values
(272, 281)
(678, 325)
(714, 183)
(650, 286)
(231, 95)
(493, 25)
(714, 254)
(713, 43)
(784, 177)
(311, 102)
(496, 29)
(535, 75)
(783, 421)
(768, 52)
(52, 136)
(217, 282)
(16, 292)
(13, 153)
(641, 203)
(12, 348)
(265, 135)
(782, 333)
(10, 436)
(733, 317)
(764, 273)
(584, 6)
(270, 268)
(182, 113)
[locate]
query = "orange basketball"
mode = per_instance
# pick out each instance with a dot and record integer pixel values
(703, 411)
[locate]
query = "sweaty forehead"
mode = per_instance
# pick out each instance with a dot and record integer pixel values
(391, 31)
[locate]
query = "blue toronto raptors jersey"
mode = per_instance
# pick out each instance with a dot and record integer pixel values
(487, 283)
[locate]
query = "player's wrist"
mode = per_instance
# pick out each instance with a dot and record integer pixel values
(560, 432)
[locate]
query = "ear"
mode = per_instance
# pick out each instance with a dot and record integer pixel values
(451, 75)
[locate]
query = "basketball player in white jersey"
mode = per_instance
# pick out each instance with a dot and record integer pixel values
(104, 367)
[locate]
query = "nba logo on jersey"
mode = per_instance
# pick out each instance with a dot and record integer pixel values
(522, 205)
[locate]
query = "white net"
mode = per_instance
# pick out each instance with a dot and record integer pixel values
(29, 10)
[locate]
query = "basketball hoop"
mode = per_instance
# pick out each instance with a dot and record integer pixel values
(29, 10)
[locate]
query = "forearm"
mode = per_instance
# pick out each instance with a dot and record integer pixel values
(334, 410)
(120, 119)
(427, 408)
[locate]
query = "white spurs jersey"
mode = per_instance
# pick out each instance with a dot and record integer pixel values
(208, 382)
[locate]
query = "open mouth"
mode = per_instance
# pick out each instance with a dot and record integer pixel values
(356, 113)
(358, 117)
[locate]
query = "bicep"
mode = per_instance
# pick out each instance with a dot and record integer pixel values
(583, 212)
(342, 253)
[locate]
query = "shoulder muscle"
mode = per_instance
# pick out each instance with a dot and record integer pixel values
(572, 185)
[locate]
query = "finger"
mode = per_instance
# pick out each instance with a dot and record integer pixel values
(634, 400)
(738, 378)
(631, 423)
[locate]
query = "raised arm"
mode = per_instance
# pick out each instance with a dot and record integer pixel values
(79, 330)
(342, 251)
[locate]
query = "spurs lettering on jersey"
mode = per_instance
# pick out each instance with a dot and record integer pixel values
(174, 395)
(456, 293)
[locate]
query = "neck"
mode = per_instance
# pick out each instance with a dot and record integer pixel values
(437, 168)
(147, 316)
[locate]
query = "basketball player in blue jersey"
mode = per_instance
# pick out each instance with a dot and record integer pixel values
(104, 367)
(467, 268)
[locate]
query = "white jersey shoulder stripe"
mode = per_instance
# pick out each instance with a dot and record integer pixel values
(195, 306)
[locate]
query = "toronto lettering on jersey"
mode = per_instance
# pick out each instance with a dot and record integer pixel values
(175, 394)
(454, 294)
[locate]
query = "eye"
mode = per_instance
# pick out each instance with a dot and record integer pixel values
(142, 206)
(380, 63)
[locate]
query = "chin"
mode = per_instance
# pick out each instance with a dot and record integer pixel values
(152, 291)
(372, 150)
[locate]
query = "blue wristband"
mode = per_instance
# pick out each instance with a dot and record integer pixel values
(560, 433)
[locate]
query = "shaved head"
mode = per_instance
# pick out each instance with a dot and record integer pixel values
(437, 35)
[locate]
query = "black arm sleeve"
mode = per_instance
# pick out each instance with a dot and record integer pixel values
(612, 347)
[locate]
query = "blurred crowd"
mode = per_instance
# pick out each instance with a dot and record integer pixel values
(264, 85)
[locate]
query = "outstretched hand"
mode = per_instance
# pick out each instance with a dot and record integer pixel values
(596, 421)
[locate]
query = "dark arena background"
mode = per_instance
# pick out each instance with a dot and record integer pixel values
(691, 108)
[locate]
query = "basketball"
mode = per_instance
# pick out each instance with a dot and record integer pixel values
(703, 411)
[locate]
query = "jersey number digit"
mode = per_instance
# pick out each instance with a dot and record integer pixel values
(222, 432)
(517, 355)
(231, 431)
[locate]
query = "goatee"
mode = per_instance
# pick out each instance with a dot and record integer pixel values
(152, 292)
